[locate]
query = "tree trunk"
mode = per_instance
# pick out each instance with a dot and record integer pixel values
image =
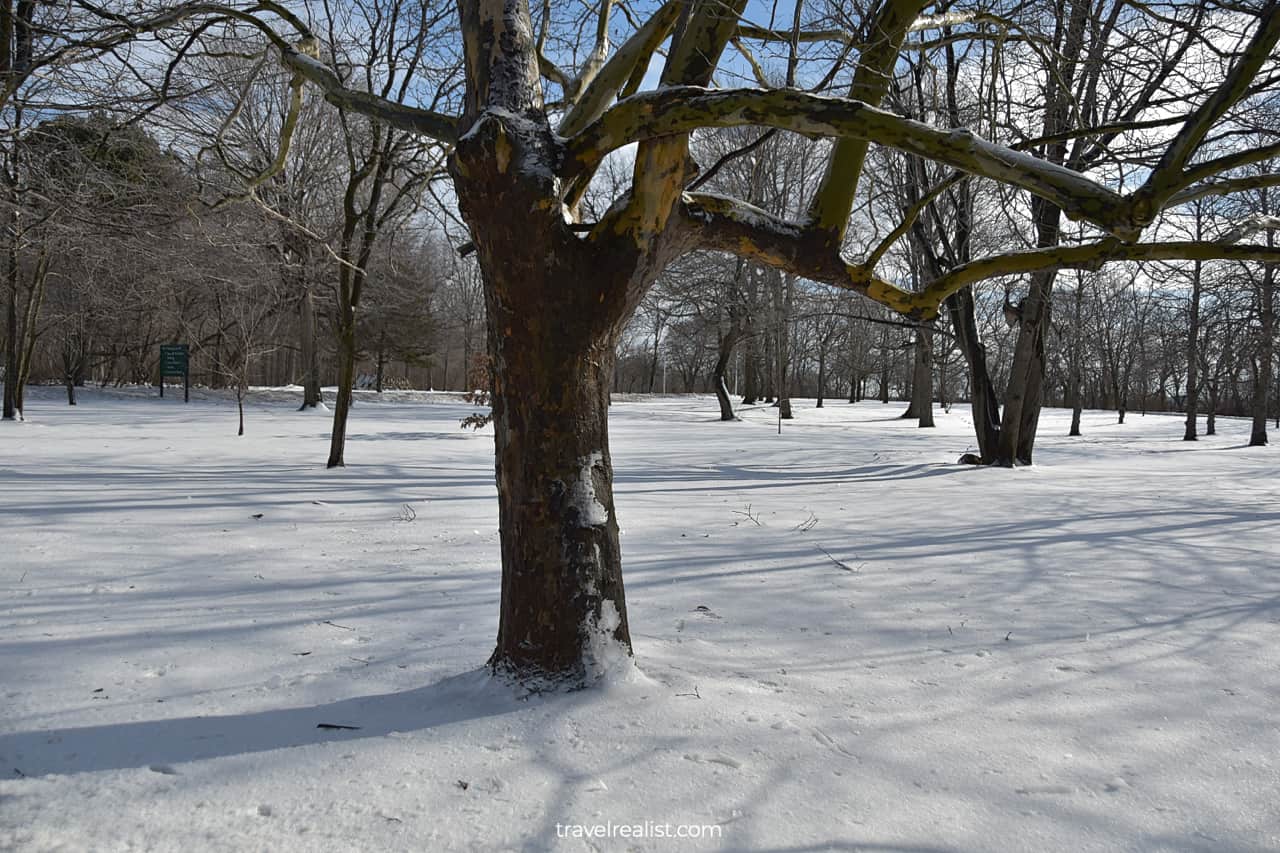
(1193, 357)
(311, 395)
(783, 347)
(1075, 369)
(653, 363)
(886, 362)
(552, 340)
(750, 374)
(1026, 375)
(1266, 351)
(382, 363)
(346, 385)
(563, 604)
(922, 378)
(562, 570)
(723, 357)
(11, 332)
(822, 375)
(982, 394)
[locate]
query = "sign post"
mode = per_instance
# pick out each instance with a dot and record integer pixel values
(175, 361)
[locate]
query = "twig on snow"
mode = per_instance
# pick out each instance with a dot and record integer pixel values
(841, 563)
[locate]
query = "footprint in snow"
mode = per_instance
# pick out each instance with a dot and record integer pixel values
(1033, 790)
(713, 759)
(828, 741)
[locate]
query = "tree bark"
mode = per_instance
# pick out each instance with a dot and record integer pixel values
(382, 363)
(11, 327)
(982, 394)
(346, 386)
(311, 395)
(1193, 357)
(886, 362)
(750, 374)
(1266, 352)
(785, 296)
(822, 375)
(1075, 369)
(723, 357)
(1211, 416)
(552, 340)
(1026, 375)
(922, 378)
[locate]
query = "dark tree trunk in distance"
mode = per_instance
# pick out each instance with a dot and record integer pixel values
(311, 396)
(11, 333)
(1266, 352)
(922, 378)
(750, 375)
(346, 386)
(1193, 357)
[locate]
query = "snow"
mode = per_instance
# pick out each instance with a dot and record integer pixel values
(608, 662)
(582, 492)
(1081, 655)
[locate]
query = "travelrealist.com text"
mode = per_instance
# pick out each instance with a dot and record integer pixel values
(644, 829)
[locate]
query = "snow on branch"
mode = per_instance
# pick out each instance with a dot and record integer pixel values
(680, 110)
(728, 225)
(1226, 186)
(735, 227)
(1251, 225)
(1089, 256)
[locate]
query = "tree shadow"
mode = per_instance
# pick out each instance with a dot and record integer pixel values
(161, 744)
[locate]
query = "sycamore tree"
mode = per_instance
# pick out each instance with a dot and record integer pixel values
(548, 96)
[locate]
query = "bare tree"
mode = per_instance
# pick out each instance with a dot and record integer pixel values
(541, 113)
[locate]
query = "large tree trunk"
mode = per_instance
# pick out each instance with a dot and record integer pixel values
(311, 396)
(552, 340)
(563, 606)
(562, 597)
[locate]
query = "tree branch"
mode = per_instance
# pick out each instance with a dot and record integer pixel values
(1168, 177)
(679, 110)
(424, 122)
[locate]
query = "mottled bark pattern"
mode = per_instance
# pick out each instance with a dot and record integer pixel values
(556, 304)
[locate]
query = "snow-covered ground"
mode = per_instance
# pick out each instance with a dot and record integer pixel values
(847, 640)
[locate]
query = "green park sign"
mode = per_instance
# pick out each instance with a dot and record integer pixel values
(175, 360)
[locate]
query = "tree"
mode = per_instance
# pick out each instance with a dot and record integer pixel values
(559, 289)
